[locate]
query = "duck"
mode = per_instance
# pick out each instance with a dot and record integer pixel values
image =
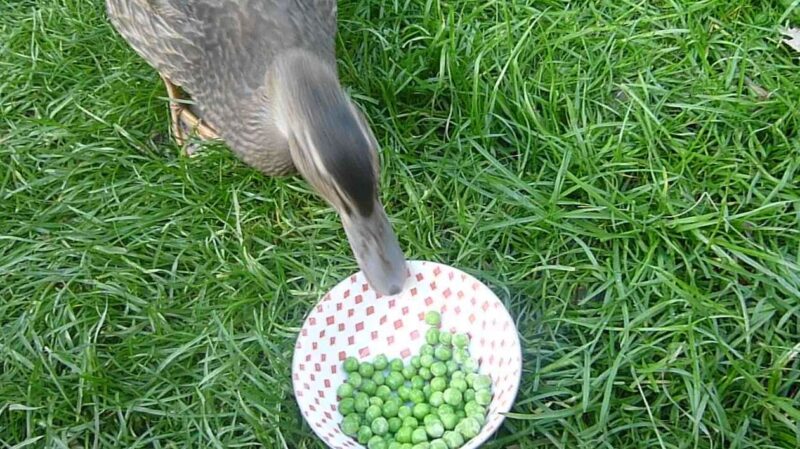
(262, 77)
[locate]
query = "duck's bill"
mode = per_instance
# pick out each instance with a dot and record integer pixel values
(377, 250)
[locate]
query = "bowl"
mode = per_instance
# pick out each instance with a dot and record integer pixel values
(353, 320)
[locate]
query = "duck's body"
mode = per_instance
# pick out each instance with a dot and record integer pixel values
(262, 73)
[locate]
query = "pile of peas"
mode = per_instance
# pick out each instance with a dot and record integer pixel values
(436, 401)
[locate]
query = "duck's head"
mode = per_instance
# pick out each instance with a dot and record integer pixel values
(333, 148)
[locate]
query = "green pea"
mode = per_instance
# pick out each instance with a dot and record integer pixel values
(379, 378)
(395, 424)
(395, 445)
(445, 409)
(345, 390)
(454, 440)
(355, 379)
(470, 366)
(372, 413)
(347, 406)
(445, 337)
(350, 427)
(419, 435)
(459, 384)
(452, 367)
(366, 369)
(380, 426)
(403, 435)
(468, 428)
(411, 422)
(350, 364)
(460, 415)
(460, 340)
(417, 396)
(404, 412)
(396, 365)
(417, 382)
(435, 429)
(482, 382)
(425, 373)
(432, 336)
(483, 397)
(404, 392)
(433, 318)
(473, 408)
(438, 384)
(383, 392)
(376, 401)
(436, 399)
(391, 408)
(469, 395)
(438, 444)
(411, 446)
(423, 445)
(394, 380)
(452, 397)
(409, 372)
(480, 418)
(433, 417)
(420, 411)
(415, 361)
(449, 421)
(471, 379)
(439, 369)
(376, 442)
(364, 434)
(460, 356)
(361, 402)
(442, 353)
(368, 386)
(380, 362)
(426, 350)
(426, 390)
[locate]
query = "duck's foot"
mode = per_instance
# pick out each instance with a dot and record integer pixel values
(185, 123)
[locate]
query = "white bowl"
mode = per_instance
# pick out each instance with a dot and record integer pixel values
(352, 320)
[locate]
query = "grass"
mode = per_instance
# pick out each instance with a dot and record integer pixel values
(625, 175)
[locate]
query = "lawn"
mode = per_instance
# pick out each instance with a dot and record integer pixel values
(624, 174)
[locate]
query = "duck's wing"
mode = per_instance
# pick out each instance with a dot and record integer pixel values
(206, 45)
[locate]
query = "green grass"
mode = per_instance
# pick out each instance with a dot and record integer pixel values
(624, 174)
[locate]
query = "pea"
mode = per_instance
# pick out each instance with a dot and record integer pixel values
(420, 411)
(482, 382)
(376, 401)
(380, 426)
(425, 373)
(433, 417)
(396, 365)
(423, 445)
(347, 406)
(460, 415)
(460, 356)
(439, 369)
(394, 380)
(442, 353)
(395, 424)
(426, 390)
(452, 397)
(480, 418)
(403, 435)
(470, 366)
(368, 386)
(409, 372)
(417, 396)
(445, 337)
(350, 427)
(471, 379)
(469, 395)
(459, 384)
(366, 369)
(435, 429)
(419, 435)
(433, 318)
(391, 408)
(372, 413)
(361, 402)
(350, 365)
(454, 440)
(415, 361)
(395, 445)
(432, 336)
(438, 384)
(458, 375)
(449, 421)
(404, 412)
(354, 379)
(460, 340)
(411, 422)
(404, 393)
(345, 390)
(417, 382)
(383, 392)
(468, 428)
(436, 399)
(483, 397)
(452, 367)
(473, 407)
(379, 378)
(376, 442)
(438, 444)
(364, 434)
(380, 363)
(445, 409)
(426, 350)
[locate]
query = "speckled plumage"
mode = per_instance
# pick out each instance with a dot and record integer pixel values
(219, 51)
